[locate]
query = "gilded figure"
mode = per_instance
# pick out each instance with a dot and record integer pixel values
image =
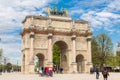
(48, 11)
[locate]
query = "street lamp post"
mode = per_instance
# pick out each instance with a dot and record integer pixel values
(0, 52)
(17, 66)
(4, 64)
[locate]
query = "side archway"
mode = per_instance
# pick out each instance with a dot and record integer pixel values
(23, 62)
(80, 63)
(39, 61)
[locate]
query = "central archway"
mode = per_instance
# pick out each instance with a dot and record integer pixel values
(60, 54)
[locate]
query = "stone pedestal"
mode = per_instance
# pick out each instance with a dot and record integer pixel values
(49, 64)
(31, 67)
(89, 61)
(89, 65)
(74, 67)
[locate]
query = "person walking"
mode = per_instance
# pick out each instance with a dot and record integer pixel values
(61, 70)
(105, 74)
(0, 71)
(40, 71)
(97, 73)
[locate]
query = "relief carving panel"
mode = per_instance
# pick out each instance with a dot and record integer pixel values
(81, 44)
(41, 42)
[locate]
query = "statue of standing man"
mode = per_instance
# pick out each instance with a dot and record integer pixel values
(66, 12)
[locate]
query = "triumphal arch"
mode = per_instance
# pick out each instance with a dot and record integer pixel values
(40, 33)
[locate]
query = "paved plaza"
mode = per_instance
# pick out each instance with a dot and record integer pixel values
(20, 76)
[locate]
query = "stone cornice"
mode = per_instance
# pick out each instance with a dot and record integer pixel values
(25, 49)
(87, 33)
(35, 48)
(54, 19)
(39, 48)
(35, 17)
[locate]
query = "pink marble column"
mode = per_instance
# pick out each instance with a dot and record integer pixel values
(50, 48)
(31, 47)
(73, 48)
(74, 55)
(89, 49)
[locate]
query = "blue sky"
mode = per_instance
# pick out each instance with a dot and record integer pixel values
(104, 16)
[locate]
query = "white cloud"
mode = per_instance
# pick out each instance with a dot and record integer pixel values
(79, 11)
(101, 14)
(113, 6)
(100, 20)
(11, 45)
(17, 10)
(108, 15)
(8, 38)
(104, 18)
(12, 12)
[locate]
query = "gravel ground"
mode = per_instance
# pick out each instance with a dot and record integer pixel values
(20, 76)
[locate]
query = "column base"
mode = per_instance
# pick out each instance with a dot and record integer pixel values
(49, 64)
(31, 68)
(74, 66)
(89, 65)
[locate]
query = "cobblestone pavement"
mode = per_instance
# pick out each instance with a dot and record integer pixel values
(20, 76)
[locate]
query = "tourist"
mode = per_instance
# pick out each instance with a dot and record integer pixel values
(97, 73)
(50, 72)
(61, 70)
(37, 69)
(105, 74)
(40, 71)
(46, 71)
(92, 70)
(54, 69)
(0, 71)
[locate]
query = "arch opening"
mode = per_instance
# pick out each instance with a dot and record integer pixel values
(24, 63)
(39, 61)
(60, 55)
(80, 63)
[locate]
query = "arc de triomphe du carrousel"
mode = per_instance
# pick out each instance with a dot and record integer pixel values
(40, 33)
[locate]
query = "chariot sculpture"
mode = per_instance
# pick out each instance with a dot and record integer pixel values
(54, 11)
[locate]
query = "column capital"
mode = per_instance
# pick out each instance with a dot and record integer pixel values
(89, 38)
(32, 34)
(50, 35)
(73, 37)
